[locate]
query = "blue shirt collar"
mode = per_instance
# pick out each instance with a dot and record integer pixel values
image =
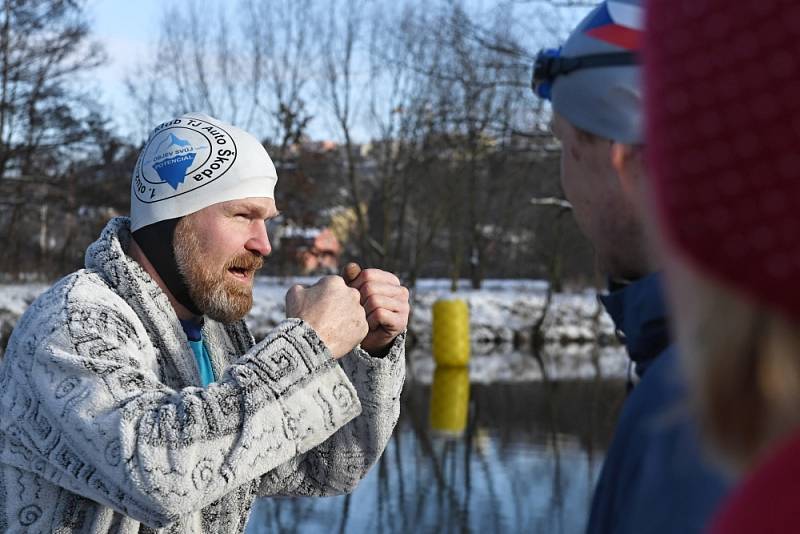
(193, 328)
(640, 316)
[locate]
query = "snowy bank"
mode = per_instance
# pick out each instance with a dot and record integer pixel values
(579, 338)
(556, 362)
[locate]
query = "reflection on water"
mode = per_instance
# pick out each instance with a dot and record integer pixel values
(519, 457)
(449, 404)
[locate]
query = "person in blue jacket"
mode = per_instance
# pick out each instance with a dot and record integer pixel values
(656, 477)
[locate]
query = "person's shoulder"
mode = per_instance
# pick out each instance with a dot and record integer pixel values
(86, 287)
(657, 392)
(664, 380)
(81, 290)
(89, 285)
(79, 302)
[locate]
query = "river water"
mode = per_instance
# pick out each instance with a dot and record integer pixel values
(488, 458)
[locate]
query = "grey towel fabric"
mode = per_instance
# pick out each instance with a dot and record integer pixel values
(102, 427)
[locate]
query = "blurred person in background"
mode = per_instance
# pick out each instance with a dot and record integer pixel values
(134, 397)
(655, 478)
(723, 113)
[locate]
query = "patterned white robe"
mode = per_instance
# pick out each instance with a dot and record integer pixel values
(103, 427)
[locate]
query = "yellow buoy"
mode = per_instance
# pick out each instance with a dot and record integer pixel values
(449, 401)
(451, 333)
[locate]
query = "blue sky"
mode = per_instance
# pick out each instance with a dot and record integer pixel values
(125, 29)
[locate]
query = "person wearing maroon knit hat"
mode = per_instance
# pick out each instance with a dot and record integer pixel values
(722, 81)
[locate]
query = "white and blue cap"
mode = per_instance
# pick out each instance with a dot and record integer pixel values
(194, 161)
(593, 80)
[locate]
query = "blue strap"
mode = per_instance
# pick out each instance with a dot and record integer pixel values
(194, 334)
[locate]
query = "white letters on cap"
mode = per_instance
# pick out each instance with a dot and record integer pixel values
(195, 161)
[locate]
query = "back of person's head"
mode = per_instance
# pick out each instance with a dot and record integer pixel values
(723, 128)
(593, 80)
(594, 83)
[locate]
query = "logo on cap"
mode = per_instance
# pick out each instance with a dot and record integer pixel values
(182, 155)
(618, 23)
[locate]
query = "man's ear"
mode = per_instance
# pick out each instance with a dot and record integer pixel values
(628, 162)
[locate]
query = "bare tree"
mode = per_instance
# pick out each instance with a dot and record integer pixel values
(431, 103)
(44, 51)
(341, 86)
(279, 43)
(47, 119)
(194, 67)
(474, 110)
(398, 106)
(251, 71)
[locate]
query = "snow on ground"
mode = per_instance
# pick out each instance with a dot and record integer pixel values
(504, 312)
(561, 362)
(579, 338)
(15, 298)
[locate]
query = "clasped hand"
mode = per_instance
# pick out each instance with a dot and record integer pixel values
(371, 308)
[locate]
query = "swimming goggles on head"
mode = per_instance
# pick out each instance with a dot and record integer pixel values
(550, 64)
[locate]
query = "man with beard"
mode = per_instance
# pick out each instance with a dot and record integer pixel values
(134, 397)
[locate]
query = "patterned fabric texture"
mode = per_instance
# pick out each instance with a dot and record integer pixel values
(103, 427)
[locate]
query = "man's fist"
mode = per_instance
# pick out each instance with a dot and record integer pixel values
(333, 310)
(385, 302)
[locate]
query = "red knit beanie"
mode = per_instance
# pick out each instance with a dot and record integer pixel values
(722, 96)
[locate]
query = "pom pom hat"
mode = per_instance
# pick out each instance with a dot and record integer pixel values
(722, 86)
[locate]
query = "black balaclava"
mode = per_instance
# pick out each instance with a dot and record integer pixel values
(157, 241)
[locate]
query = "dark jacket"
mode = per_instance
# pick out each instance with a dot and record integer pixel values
(655, 478)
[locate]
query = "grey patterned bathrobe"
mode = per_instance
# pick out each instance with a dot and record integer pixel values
(103, 430)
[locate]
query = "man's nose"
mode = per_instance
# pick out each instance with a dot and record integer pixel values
(259, 239)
